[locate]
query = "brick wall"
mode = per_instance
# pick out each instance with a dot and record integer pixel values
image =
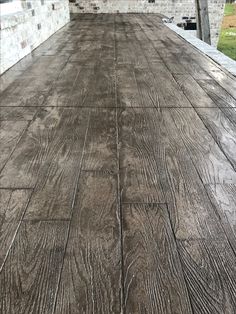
(177, 8)
(23, 31)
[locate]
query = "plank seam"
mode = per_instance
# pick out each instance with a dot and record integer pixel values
(17, 230)
(119, 207)
(71, 217)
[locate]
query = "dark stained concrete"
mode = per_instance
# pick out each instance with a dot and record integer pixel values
(117, 174)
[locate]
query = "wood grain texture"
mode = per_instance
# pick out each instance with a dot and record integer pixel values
(201, 62)
(146, 45)
(15, 72)
(223, 196)
(12, 207)
(90, 280)
(26, 91)
(148, 87)
(148, 83)
(170, 58)
(29, 278)
(10, 134)
(222, 130)
(140, 179)
(85, 52)
(181, 45)
(89, 34)
(17, 113)
(80, 89)
(222, 99)
(156, 167)
(170, 95)
(127, 146)
(128, 50)
(186, 64)
(101, 88)
(100, 151)
(217, 93)
(151, 31)
(191, 212)
(57, 46)
(127, 87)
(93, 86)
(176, 57)
(8, 77)
(217, 73)
(194, 92)
(209, 160)
(62, 88)
(226, 81)
(56, 178)
(52, 138)
(154, 281)
(46, 67)
(210, 272)
(136, 87)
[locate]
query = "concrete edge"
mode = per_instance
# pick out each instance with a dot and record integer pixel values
(210, 51)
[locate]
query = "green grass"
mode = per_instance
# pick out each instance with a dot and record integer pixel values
(227, 40)
(229, 9)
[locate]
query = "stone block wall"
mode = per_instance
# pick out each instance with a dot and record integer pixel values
(176, 8)
(216, 14)
(23, 31)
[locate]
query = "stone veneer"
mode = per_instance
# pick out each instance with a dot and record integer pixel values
(176, 8)
(23, 31)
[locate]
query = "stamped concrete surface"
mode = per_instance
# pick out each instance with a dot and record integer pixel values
(117, 174)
